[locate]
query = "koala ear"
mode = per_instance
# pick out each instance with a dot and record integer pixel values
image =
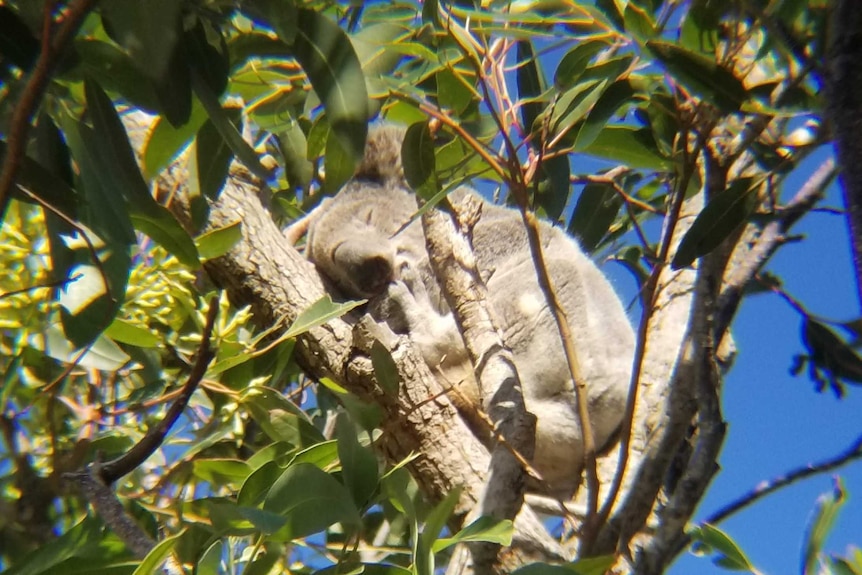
(382, 161)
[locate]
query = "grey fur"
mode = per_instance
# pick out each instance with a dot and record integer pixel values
(352, 239)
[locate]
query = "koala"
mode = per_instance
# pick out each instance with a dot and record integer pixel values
(359, 240)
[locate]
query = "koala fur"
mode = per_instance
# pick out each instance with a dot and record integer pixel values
(352, 239)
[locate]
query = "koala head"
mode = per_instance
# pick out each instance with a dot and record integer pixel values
(355, 238)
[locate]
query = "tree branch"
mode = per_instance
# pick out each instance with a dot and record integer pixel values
(35, 90)
(454, 265)
(844, 69)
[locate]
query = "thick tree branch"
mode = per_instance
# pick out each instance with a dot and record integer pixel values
(844, 108)
(454, 265)
(267, 273)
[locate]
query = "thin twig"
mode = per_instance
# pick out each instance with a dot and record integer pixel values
(852, 453)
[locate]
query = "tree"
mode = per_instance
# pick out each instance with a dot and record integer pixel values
(181, 387)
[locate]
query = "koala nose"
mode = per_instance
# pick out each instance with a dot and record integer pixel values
(373, 274)
(365, 267)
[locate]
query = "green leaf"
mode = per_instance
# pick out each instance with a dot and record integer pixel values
(434, 524)
(603, 110)
(279, 418)
(485, 529)
(417, 156)
(165, 142)
(213, 155)
(87, 540)
(311, 500)
(323, 455)
(455, 90)
(294, 150)
(257, 484)
(325, 53)
(703, 76)
(17, 43)
(218, 472)
(157, 556)
(633, 147)
(385, 369)
(207, 54)
(552, 194)
(231, 519)
(150, 32)
(358, 463)
(219, 241)
(147, 29)
(221, 120)
(318, 314)
(338, 165)
(115, 71)
(280, 15)
(574, 63)
(638, 22)
(574, 104)
(530, 84)
(595, 211)
(830, 354)
(719, 218)
(210, 562)
(103, 354)
(115, 158)
(588, 566)
(131, 334)
(730, 556)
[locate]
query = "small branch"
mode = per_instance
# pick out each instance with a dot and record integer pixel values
(113, 470)
(33, 92)
(768, 487)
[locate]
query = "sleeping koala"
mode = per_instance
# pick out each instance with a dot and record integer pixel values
(354, 240)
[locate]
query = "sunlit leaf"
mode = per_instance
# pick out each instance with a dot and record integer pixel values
(157, 556)
(311, 500)
(125, 332)
(820, 526)
(729, 555)
(218, 241)
(630, 146)
(483, 529)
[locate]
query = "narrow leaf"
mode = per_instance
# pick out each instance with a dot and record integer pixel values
(325, 53)
(633, 147)
(702, 75)
(217, 242)
(719, 218)
(417, 156)
(385, 369)
(358, 463)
